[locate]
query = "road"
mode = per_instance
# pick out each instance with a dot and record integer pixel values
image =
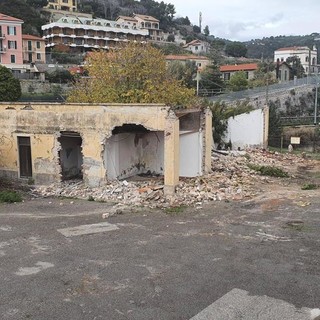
(61, 260)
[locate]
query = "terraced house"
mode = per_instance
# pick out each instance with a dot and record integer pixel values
(83, 34)
(66, 5)
(11, 42)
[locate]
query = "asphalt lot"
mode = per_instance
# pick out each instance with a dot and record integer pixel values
(152, 264)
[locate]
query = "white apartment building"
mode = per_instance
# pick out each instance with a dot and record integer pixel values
(308, 57)
(83, 34)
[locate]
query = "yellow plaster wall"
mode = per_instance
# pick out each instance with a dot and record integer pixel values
(208, 141)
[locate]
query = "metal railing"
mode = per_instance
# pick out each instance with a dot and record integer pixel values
(261, 91)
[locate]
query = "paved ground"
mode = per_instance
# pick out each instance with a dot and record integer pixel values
(154, 265)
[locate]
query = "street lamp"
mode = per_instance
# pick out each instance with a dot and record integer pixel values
(316, 102)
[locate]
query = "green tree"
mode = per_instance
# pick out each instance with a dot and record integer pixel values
(264, 75)
(134, 73)
(206, 31)
(10, 88)
(170, 38)
(185, 72)
(275, 128)
(196, 29)
(211, 78)
(297, 69)
(59, 76)
(37, 3)
(23, 10)
(236, 49)
(160, 10)
(221, 112)
(182, 21)
(238, 81)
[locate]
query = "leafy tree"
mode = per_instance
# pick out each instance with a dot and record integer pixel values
(61, 54)
(59, 76)
(296, 67)
(221, 112)
(275, 128)
(186, 73)
(133, 74)
(264, 75)
(25, 11)
(196, 29)
(170, 48)
(206, 31)
(238, 81)
(10, 88)
(160, 10)
(236, 49)
(211, 78)
(37, 3)
(170, 38)
(182, 21)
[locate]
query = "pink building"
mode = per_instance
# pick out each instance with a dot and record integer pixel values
(10, 41)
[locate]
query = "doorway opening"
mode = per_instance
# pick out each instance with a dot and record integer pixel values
(70, 155)
(134, 150)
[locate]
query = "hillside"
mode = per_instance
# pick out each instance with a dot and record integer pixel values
(30, 12)
(264, 48)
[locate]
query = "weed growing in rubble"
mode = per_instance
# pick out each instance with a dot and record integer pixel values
(269, 171)
(309, 186)
(10, 196)
(174, 210)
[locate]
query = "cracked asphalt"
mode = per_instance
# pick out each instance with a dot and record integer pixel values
(156, 265)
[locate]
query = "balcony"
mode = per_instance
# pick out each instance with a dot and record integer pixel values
(2, 36)
(3, 50)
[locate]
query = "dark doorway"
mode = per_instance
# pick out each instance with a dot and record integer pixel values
(25, 163)
(70, 155)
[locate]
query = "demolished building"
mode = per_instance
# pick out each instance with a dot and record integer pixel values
(97, 142)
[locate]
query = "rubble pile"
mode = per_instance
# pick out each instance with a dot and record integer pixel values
(230, 179)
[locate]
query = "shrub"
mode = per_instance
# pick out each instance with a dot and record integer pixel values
(10, 196)
(269, 171)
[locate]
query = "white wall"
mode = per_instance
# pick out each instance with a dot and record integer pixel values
(128, 154)
(191, 147)
(246, 130)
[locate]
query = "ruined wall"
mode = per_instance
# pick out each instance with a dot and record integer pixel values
(129, 154)
(247, 130)
(44, 122)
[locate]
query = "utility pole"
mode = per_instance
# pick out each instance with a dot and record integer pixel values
(316, 102)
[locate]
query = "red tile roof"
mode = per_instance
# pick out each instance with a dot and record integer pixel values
(185, 57)
(8, 18)
(146, 18)
(31, 37)
(292, 48)
(239, 67)
(126, 18)
(192, 43)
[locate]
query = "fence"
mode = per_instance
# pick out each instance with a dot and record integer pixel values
(261, 91)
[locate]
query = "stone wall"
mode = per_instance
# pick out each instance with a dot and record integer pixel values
(36, 86)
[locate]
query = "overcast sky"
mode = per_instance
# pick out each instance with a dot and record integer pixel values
(252, 19)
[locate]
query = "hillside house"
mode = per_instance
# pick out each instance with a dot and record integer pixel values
(308, 57)
(81, 34)
(197, 47)
(200, 61)
(34, 49)
(65, 5)
(228, 71)
(11, 42)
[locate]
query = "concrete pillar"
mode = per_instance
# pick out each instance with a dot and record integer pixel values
(171, 153)
(94, 173)
(208, 141)
(265, 127)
